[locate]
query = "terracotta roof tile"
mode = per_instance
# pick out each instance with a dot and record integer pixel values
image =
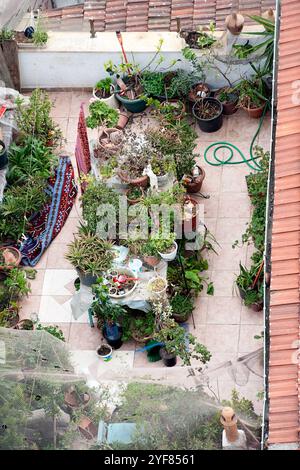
(284, 370)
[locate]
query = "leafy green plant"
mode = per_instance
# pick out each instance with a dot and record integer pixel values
(245, 281)
(19, 203)
(16, 284)
(153, 83)
(90, 254)
(101, 115)
(182, 305)
(174, 338)
(40, 37)
(35, 120)
(102, 306)
(227, 95)
(6, 35)
(104, 87)
(30, 159)
(95, 194)
(163, 242)
(251, 93)
(142, 326)
(135, 193)
(193, 268)
(52, 330)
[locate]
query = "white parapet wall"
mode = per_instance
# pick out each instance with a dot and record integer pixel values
(75, 60)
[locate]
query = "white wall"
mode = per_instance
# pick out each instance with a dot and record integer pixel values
(74, 60)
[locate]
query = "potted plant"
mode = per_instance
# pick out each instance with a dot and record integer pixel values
(10, 257)
(104, 91)
(251, 97)
(3, 155)
(193, 178)
(134, 195)
(165, 245)
(162, 166)
(142, 327)
(229, 98)
(105, 352)
(197, 91)
(101, 115)
(91, 257)
(182, 307)
(171, 85)
(250, 286)
(149, 253)
(133, 160)
(108, 315)
(175, 339)
(208, 113)
(25, 324)
(9, 316)
(157, 286)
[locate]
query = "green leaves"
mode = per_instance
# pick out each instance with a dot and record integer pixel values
(101, 115)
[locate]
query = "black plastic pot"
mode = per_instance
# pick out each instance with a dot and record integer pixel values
(86, 279)
(3, 155)
(169, 360)
(113, 335)
(213, 124)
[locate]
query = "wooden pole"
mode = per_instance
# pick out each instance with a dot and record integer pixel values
(9, 49)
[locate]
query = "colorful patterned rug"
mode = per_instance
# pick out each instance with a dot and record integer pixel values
(47, 224)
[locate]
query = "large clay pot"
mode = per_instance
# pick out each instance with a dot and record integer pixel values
(193, 184)
(255, 113)
(142, 181)
(230, 107)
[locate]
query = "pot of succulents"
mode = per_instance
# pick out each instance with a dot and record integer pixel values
(182, 307)
(134, 195)
(105, 352)
(101, 115)
(165, 246)
(3, 155)
(91, 257)
(250, 286)
(104, 91)
(178, 343)
(133, 161)
(251, 97)
(108, 315)
(229, 98)
(208, 113)
(10, 257)
(163, 167)
(157, 286)
(193, 179)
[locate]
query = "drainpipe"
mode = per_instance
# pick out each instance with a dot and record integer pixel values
(268, 231)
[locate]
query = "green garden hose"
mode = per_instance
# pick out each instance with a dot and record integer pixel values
(251, 162)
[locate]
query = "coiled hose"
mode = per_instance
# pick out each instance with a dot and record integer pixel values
(218, 146)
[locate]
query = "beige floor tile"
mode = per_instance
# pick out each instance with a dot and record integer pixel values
(56, 257)
(233, 180)
(247, 342)
(42, 263)
(82, 336)
(223, 283)
(62, 122)
(36, 284)
(200, 312)
(241, 128)
(224, 310)
(30, 305)
(234, 203)
(72, 129)
(222, 338)
(230, 229)
(211, 206)
(61, 104)
(208, 137)
(77, 99)
(68, 231)
(249, 317)
(229, 258)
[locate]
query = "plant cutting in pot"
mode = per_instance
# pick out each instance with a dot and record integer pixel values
(178, 343)
(229, 98)
(134, 195)
(10, 257)
(250, 285)
(108, 315)
(105, 352)
(142, 327)
(9, 316)
(251, 97)
(182, 307)
(192, 180)
(91, 256)
(101, 115)
(104, 91)
(165, 245)
(133, 160)
(208, 113)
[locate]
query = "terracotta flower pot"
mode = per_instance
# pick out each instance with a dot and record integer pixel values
(193, 184)
(199, 88)
(12, 257)
(151, 260)
(230, 107)
(142, 181)
(255, 113)
(123, 119)
(131, 202)
(191, 224)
